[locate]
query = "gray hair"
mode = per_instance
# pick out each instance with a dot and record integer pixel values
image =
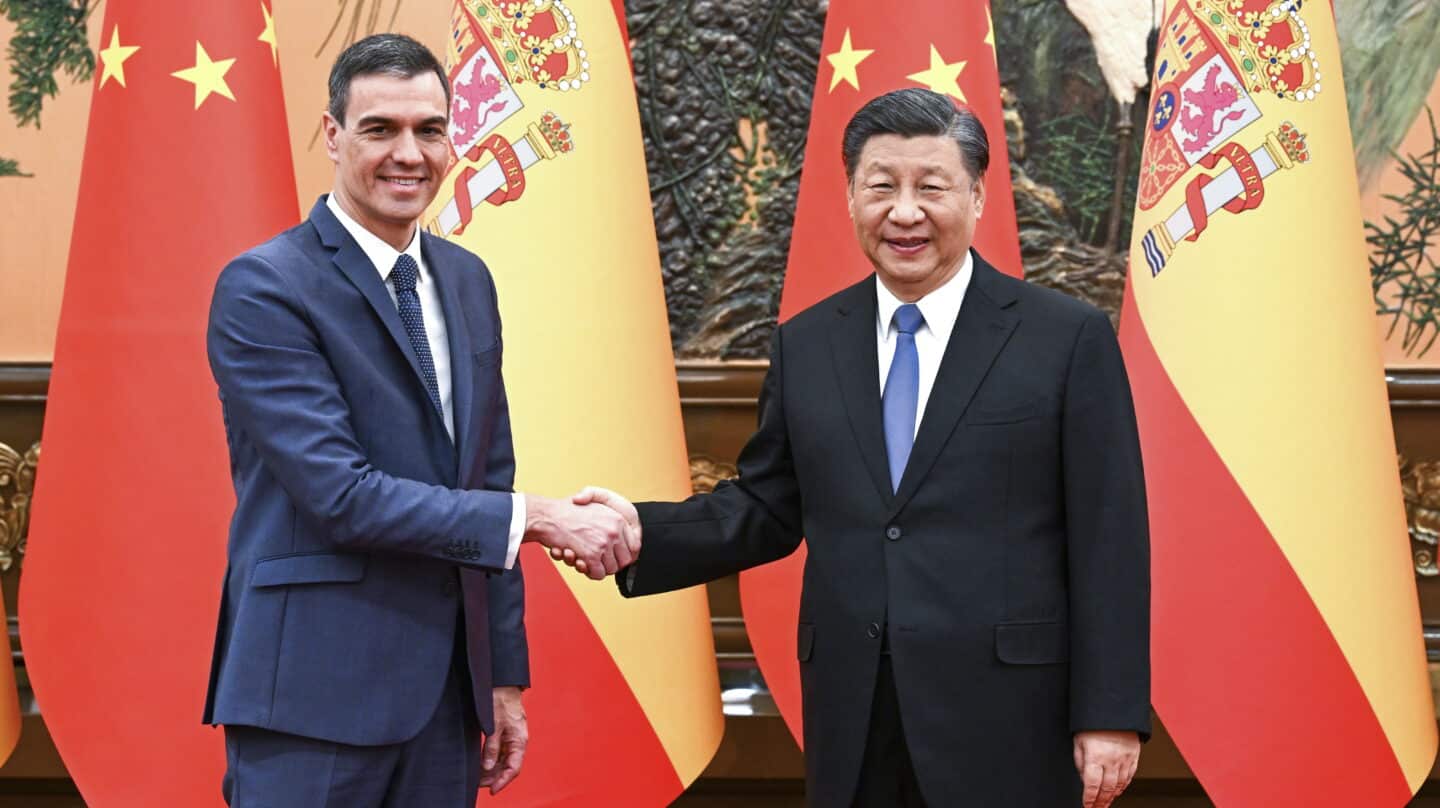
(917, 112)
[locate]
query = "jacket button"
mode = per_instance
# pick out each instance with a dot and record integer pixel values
(893, 533)
(873, 631)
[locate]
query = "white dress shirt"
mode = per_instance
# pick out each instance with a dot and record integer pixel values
(383, 257)
(939, 308)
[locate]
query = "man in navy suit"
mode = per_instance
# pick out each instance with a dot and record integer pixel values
(372, 621)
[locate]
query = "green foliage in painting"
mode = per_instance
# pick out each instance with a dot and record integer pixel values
(10, 168)
(49, 39)
(1075, 153)
(1403, 271)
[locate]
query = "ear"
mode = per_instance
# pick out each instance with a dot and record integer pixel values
(850, 197)
(978, 196)
(331, 128)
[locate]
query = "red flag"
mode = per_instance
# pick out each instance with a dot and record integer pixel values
(186, 164)
(870, 49)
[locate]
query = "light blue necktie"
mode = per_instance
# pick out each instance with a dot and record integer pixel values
(404, 276)
(902, 392)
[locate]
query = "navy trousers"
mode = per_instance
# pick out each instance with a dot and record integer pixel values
(438, 768)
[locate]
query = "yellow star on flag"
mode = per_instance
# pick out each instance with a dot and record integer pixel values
(941, 77)
(845, 61)
(207, 75)
(990, 34)
(114, 56)
(268, 35)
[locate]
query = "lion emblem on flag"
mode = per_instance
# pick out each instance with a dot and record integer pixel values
(1220, 65)
(502, 54)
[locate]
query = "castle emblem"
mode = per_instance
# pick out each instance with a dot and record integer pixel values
(1217, 62)
(503, 53)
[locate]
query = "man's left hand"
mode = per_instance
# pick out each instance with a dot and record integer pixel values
(1106, 762)
(504, 750)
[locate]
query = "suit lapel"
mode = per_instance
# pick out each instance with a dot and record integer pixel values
(985, 323)
(462, 369)
(352, 261)
(857, 370)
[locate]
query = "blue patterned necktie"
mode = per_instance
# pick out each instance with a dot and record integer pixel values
(404, 276)
(902, 392)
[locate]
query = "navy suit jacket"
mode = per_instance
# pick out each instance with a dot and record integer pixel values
(366, 545)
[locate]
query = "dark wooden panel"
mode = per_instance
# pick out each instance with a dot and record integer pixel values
(22, 408)
(758, 763)
(1415, 408)
(718, 401)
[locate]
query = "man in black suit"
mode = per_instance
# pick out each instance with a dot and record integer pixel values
(959, 448)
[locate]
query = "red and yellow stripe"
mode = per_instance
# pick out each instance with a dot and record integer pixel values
(593, 400)
(1288, 659)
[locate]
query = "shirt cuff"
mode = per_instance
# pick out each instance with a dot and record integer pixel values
(517, 528)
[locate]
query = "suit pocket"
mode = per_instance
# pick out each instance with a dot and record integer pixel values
(805, 642)
(489, 356)
(308, 568)
(1045, 643)
(1007, 414)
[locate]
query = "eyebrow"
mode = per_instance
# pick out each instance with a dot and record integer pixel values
(370, 120)
(933, 168)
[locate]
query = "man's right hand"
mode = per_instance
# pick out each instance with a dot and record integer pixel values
(592, 494)
(600, 541)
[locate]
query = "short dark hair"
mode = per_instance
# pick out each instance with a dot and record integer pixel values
(917, 112)
(388, 54)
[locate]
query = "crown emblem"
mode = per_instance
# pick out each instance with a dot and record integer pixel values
(534, 41)
(556, 133)
(1268, 42)
(1292, 143)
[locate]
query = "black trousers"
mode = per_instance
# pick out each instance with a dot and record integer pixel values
(887, 778)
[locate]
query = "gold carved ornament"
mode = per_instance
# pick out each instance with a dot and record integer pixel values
(705, 473)
(17, 486)
(1420, 482)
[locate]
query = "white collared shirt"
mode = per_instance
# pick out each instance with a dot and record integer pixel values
(383, 257)
(940, 308)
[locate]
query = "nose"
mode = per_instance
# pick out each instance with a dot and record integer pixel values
(906, 211)
(406, 149)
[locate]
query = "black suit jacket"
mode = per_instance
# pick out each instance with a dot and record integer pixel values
(1011, 569)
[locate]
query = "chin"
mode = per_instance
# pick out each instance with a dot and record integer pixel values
(909, 276)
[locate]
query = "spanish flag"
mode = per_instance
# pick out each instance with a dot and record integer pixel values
(9, 696)
(1288, 661)
(549, 186)
(868, 50)
(186, 164)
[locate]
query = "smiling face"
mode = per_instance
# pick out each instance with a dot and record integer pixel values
(391, 153)
(914, 206)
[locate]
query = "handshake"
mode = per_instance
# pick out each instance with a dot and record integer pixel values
(597, 531)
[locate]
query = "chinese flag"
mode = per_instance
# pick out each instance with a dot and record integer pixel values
(186, 164)
(1285, 611)
(870, 49)
(549, 186)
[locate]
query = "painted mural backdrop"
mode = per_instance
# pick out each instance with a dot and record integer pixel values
(723, 89)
